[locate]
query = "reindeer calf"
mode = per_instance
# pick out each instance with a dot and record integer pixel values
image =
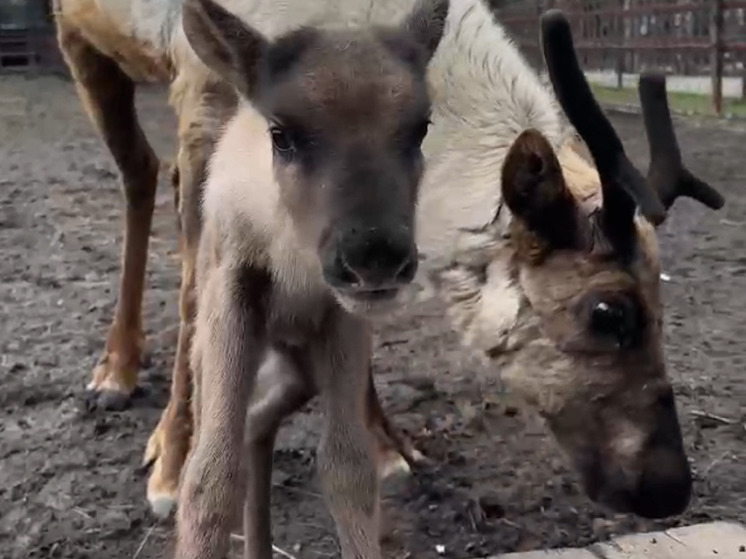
(308, 229)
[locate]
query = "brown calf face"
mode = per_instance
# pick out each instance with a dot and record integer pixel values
(346, 112)
(591, 354)
(348, 117)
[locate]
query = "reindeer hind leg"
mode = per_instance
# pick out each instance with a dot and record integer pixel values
(395, 453)
(202, 112)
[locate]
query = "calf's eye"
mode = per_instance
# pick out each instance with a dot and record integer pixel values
(282, 140)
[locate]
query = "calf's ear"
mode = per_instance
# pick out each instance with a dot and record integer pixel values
(224, 43)
(425, 24)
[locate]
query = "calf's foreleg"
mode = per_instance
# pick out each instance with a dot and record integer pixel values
(229, 334)
(283, 387)
(346, 454)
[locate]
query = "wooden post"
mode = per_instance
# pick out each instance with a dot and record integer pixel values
(717, 25)
(618, 26)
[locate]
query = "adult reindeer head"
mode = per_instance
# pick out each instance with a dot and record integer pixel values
(346, 113)
(589, 354)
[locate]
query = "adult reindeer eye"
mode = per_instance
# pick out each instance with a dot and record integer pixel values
(614, 320)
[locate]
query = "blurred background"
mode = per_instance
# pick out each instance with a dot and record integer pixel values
(700, 44)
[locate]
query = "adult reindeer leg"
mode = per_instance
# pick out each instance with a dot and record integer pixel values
(395, 452)
(108, 96)
(202, 111)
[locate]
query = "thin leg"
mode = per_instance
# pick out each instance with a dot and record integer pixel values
(394, 451)
(283, 389)
(108, 96)
(228, 333)
(346, 456)
(202, 113)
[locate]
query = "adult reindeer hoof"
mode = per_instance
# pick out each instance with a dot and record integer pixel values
(166, 453)
(106, 399)
(396, 453)
(398, 462)
(115, 377)
(162, 494)
(162, 489)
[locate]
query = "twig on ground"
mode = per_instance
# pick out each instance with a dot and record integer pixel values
(82, 513)
(713, 417)
(297, 490)
(285, 554)
(715, 463)
(143, 542)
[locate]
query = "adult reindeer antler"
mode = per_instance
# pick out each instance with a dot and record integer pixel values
(667, 173)
(623, 186)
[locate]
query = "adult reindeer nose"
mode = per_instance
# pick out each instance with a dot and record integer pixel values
(376, 258)
(665, 485)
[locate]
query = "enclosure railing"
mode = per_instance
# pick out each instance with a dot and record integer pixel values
(27, 36)
(681, 37)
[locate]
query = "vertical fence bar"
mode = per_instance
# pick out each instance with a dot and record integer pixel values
(618, 26)
(717, 25)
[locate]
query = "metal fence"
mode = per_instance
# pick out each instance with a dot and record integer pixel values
(681, 37)
(27, 36)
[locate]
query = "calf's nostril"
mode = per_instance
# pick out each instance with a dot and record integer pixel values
(346, 274)
(379, 260)
(407, 269)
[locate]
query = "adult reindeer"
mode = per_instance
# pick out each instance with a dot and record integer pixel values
(538, 254)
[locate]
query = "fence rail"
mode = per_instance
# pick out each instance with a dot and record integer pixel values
(27, 36)
(705, 38)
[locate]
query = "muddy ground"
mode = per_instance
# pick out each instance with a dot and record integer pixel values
(70, 481)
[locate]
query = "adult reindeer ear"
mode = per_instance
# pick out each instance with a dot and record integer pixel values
(535, 191)
(224, 43)
(425, 24)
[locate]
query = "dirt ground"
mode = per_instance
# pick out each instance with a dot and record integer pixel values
(70, 480)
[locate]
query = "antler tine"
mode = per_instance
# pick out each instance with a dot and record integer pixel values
(667, 173)
(623, 185)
